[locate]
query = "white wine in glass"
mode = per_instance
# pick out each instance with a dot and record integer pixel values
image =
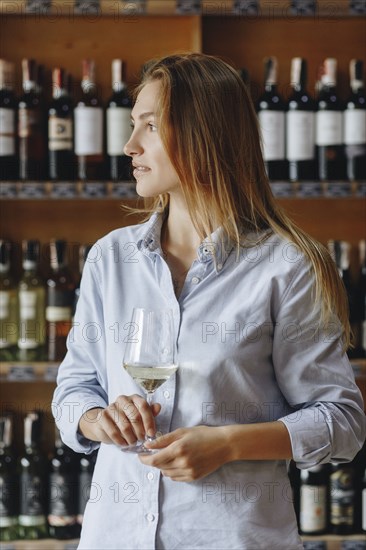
(149, 355)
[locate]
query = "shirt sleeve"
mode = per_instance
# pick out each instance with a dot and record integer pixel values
(81, 380)
(315, 376)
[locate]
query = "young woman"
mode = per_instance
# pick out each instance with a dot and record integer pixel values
(261, 331)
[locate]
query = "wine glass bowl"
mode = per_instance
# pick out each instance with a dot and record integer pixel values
(149, 355)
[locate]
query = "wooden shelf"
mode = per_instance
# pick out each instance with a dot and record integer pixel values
(46, 371)
(130, 8)
(127, 190)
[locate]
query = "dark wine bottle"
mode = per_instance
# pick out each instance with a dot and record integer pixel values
(314, 500)
(363, 500)
(88, 116)
(61, 129)
(87, 464)
(60, 299)
(294, 477)
(340, 251)
(8, 305)
(63, 492)
(32, 125)
(329, 125)
(118, 126)
(271, 115)
(9, 484)
(355, 124)
(32, 295)
(8, 131)
(342, 498)
(300, 126)
(83, 254)
(33, 482)
(361, 301)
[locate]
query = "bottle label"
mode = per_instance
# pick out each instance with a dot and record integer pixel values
(27, 305)
(63, 499)
(329, 128)
(313, 506)
(9, 489)
(32, 499)
(31, 521)
(60, 134)
(272, 124)
(342, 498)
(118, 129)
(29, 122)
(88, 131)
(7, 132)
(354, 126)
(4, 304)
(300, 135)
(57, 313)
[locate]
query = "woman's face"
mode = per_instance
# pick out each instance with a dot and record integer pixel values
(153, 171)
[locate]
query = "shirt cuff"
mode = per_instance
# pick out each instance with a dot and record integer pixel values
(310, 437)
(67, 419)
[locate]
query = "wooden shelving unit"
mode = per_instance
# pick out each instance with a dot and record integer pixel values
(136, 32)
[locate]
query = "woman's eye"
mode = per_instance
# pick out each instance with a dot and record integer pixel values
(132, 126)
(152, 127)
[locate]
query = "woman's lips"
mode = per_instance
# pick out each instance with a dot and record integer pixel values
(140, 170)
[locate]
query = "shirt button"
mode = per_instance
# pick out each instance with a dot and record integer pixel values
(219, 266)
(150, 517)
(195, 280)
(150, 476)
(166, 394)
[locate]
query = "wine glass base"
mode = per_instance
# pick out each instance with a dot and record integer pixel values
(138, 448)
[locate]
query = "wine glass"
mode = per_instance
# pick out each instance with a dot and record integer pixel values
(149, 356)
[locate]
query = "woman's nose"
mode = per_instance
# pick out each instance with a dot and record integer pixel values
(132, 147)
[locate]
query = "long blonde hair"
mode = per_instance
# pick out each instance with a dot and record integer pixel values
(209, 128)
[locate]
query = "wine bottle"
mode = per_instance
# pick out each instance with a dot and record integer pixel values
(329, 125)
(341, 253)
(355, 124)
(60, 299)
(32, 126)
(63, 493)
(61, 129)
(314, 500)
(8, 131)
(118, 126)
(9, 493)
(83, 254)
(32, 302)
(363, 501)
(33, 481)
(89, 128)
(8, 305)
(87, 464)
(300, 126)
(271, 115)
(342, 499)
(294, 477)
(362, 298)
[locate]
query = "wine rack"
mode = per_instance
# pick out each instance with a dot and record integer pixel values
(62, 32)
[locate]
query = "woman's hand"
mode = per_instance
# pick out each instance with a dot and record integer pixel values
(189, 454)
(123, 422)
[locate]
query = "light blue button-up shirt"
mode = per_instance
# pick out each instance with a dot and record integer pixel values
(249, 349)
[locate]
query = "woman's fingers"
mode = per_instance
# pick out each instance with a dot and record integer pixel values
(128, 419)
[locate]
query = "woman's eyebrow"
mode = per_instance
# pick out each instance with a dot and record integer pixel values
(144, 115)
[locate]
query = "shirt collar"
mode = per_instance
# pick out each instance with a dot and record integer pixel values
(215, 248)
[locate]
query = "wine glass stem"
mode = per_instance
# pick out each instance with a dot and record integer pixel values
(149, 397)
